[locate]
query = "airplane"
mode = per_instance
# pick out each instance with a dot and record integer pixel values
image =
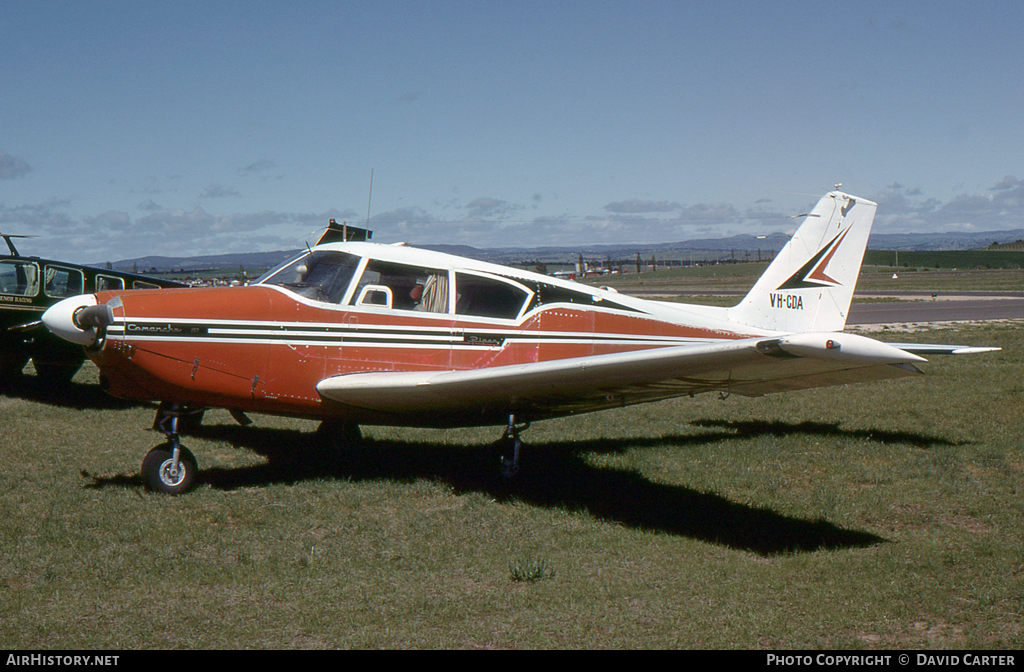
(30, 285)
(352, 332)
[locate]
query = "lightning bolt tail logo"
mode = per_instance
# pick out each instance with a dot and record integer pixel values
(812, 274)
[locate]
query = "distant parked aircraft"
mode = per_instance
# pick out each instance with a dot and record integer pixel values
(30, 285)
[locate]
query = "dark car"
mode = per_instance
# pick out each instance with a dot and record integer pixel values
(30, 285)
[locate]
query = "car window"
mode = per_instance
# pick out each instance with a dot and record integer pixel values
(20, 278)
(105, 283)
(60, 282)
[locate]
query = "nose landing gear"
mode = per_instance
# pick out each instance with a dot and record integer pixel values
(169, 468)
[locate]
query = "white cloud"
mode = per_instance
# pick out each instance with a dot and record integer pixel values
(635, 206)
(482, 208)
(12, 167)
(219, 191)
(485, 222)
(258, 167)
(35, 218)
(907, 211)
(1009, 182)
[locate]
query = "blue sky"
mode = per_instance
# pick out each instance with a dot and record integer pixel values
(187, 128)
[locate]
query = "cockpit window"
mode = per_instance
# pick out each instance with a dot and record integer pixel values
(402, 287)
(488, 297)
(322, 275)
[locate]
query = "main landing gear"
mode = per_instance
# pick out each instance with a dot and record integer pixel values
(170, 468)
(508, 447)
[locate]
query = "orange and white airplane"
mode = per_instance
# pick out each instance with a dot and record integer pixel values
(351, 332)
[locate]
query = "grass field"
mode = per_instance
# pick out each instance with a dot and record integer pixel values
(880, 516)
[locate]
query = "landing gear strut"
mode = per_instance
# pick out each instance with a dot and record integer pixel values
(508, 446)
(170, 467)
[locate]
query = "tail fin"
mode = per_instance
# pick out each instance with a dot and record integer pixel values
(809, 285)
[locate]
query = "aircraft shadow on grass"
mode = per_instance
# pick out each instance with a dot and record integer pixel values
(81, 396)
(555, 474)
(753, 428)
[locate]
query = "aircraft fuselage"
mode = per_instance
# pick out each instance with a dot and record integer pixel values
(264, 348)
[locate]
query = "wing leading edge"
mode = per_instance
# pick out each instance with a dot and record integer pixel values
(749, 367)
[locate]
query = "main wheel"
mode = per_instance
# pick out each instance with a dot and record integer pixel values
(507, 449)
(158, 472)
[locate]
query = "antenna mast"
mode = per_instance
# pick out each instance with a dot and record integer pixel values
(369, 200)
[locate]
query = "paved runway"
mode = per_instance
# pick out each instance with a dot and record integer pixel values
(915, 306)
(954, 309)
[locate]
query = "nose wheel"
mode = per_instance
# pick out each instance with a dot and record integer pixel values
(169, 468)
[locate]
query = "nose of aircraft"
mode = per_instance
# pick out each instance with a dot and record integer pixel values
(69, 319)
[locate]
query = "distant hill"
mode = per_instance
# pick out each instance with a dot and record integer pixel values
(958, 240)
(742, 245)
(248, 260)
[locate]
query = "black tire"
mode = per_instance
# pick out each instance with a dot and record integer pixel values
(156, 470)
(507, 451)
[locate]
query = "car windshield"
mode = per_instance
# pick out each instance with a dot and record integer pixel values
(322, 275)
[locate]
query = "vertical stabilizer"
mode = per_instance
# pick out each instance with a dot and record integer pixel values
(809, 285)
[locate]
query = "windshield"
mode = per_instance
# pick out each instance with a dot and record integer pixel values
(322, 275)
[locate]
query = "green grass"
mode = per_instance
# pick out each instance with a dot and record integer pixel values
(877, 516)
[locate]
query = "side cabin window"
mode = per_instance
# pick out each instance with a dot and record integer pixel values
(402, 287)
(322, 276)
(106, 283)
(142, 284)
(488, 297)
(20, 278)
(547, 294)
(60, 282)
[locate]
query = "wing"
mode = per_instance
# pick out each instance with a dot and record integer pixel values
(750, 367)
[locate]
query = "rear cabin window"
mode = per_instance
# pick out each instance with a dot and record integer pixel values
(322, 275)
(402, 287)
(488, 297)
(142, 284)
(20, 278)
(60, 282)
